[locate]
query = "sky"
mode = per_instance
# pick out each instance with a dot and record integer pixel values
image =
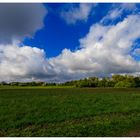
(58, 42)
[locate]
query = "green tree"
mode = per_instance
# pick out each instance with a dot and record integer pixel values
(124, 84)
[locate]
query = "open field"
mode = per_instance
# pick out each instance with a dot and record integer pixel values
(69, 112)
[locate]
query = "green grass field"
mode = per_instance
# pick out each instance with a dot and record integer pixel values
(69, 112)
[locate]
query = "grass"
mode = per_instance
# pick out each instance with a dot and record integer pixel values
(68, 111)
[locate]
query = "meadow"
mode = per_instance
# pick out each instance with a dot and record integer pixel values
(55, 112)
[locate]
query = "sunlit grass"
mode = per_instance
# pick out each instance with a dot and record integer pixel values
(68, 111)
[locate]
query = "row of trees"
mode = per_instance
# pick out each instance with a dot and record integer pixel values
(114, 81)
(27, 84)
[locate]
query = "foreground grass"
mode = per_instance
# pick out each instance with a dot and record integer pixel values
(68, 111)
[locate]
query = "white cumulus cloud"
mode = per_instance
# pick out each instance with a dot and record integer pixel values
(23, 63)
(117, 11)
(105, 50)
(79, 13)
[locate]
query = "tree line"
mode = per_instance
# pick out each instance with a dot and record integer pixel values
(121, 81)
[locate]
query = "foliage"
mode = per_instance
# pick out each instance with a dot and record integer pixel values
(125, 84)
(114, 81)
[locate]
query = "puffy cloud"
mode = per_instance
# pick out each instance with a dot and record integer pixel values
(20, 20)
(23, 63)
(117, 11)
(105, 50)
(80, 13)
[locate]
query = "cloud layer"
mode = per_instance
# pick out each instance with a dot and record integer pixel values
(20, 20)
(105, 50)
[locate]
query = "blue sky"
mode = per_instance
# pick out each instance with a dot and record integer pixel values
(65, 35)
(59, 42)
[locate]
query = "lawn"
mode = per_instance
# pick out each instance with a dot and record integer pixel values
(69, 111)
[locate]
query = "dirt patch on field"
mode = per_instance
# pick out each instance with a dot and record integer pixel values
(134, 134)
